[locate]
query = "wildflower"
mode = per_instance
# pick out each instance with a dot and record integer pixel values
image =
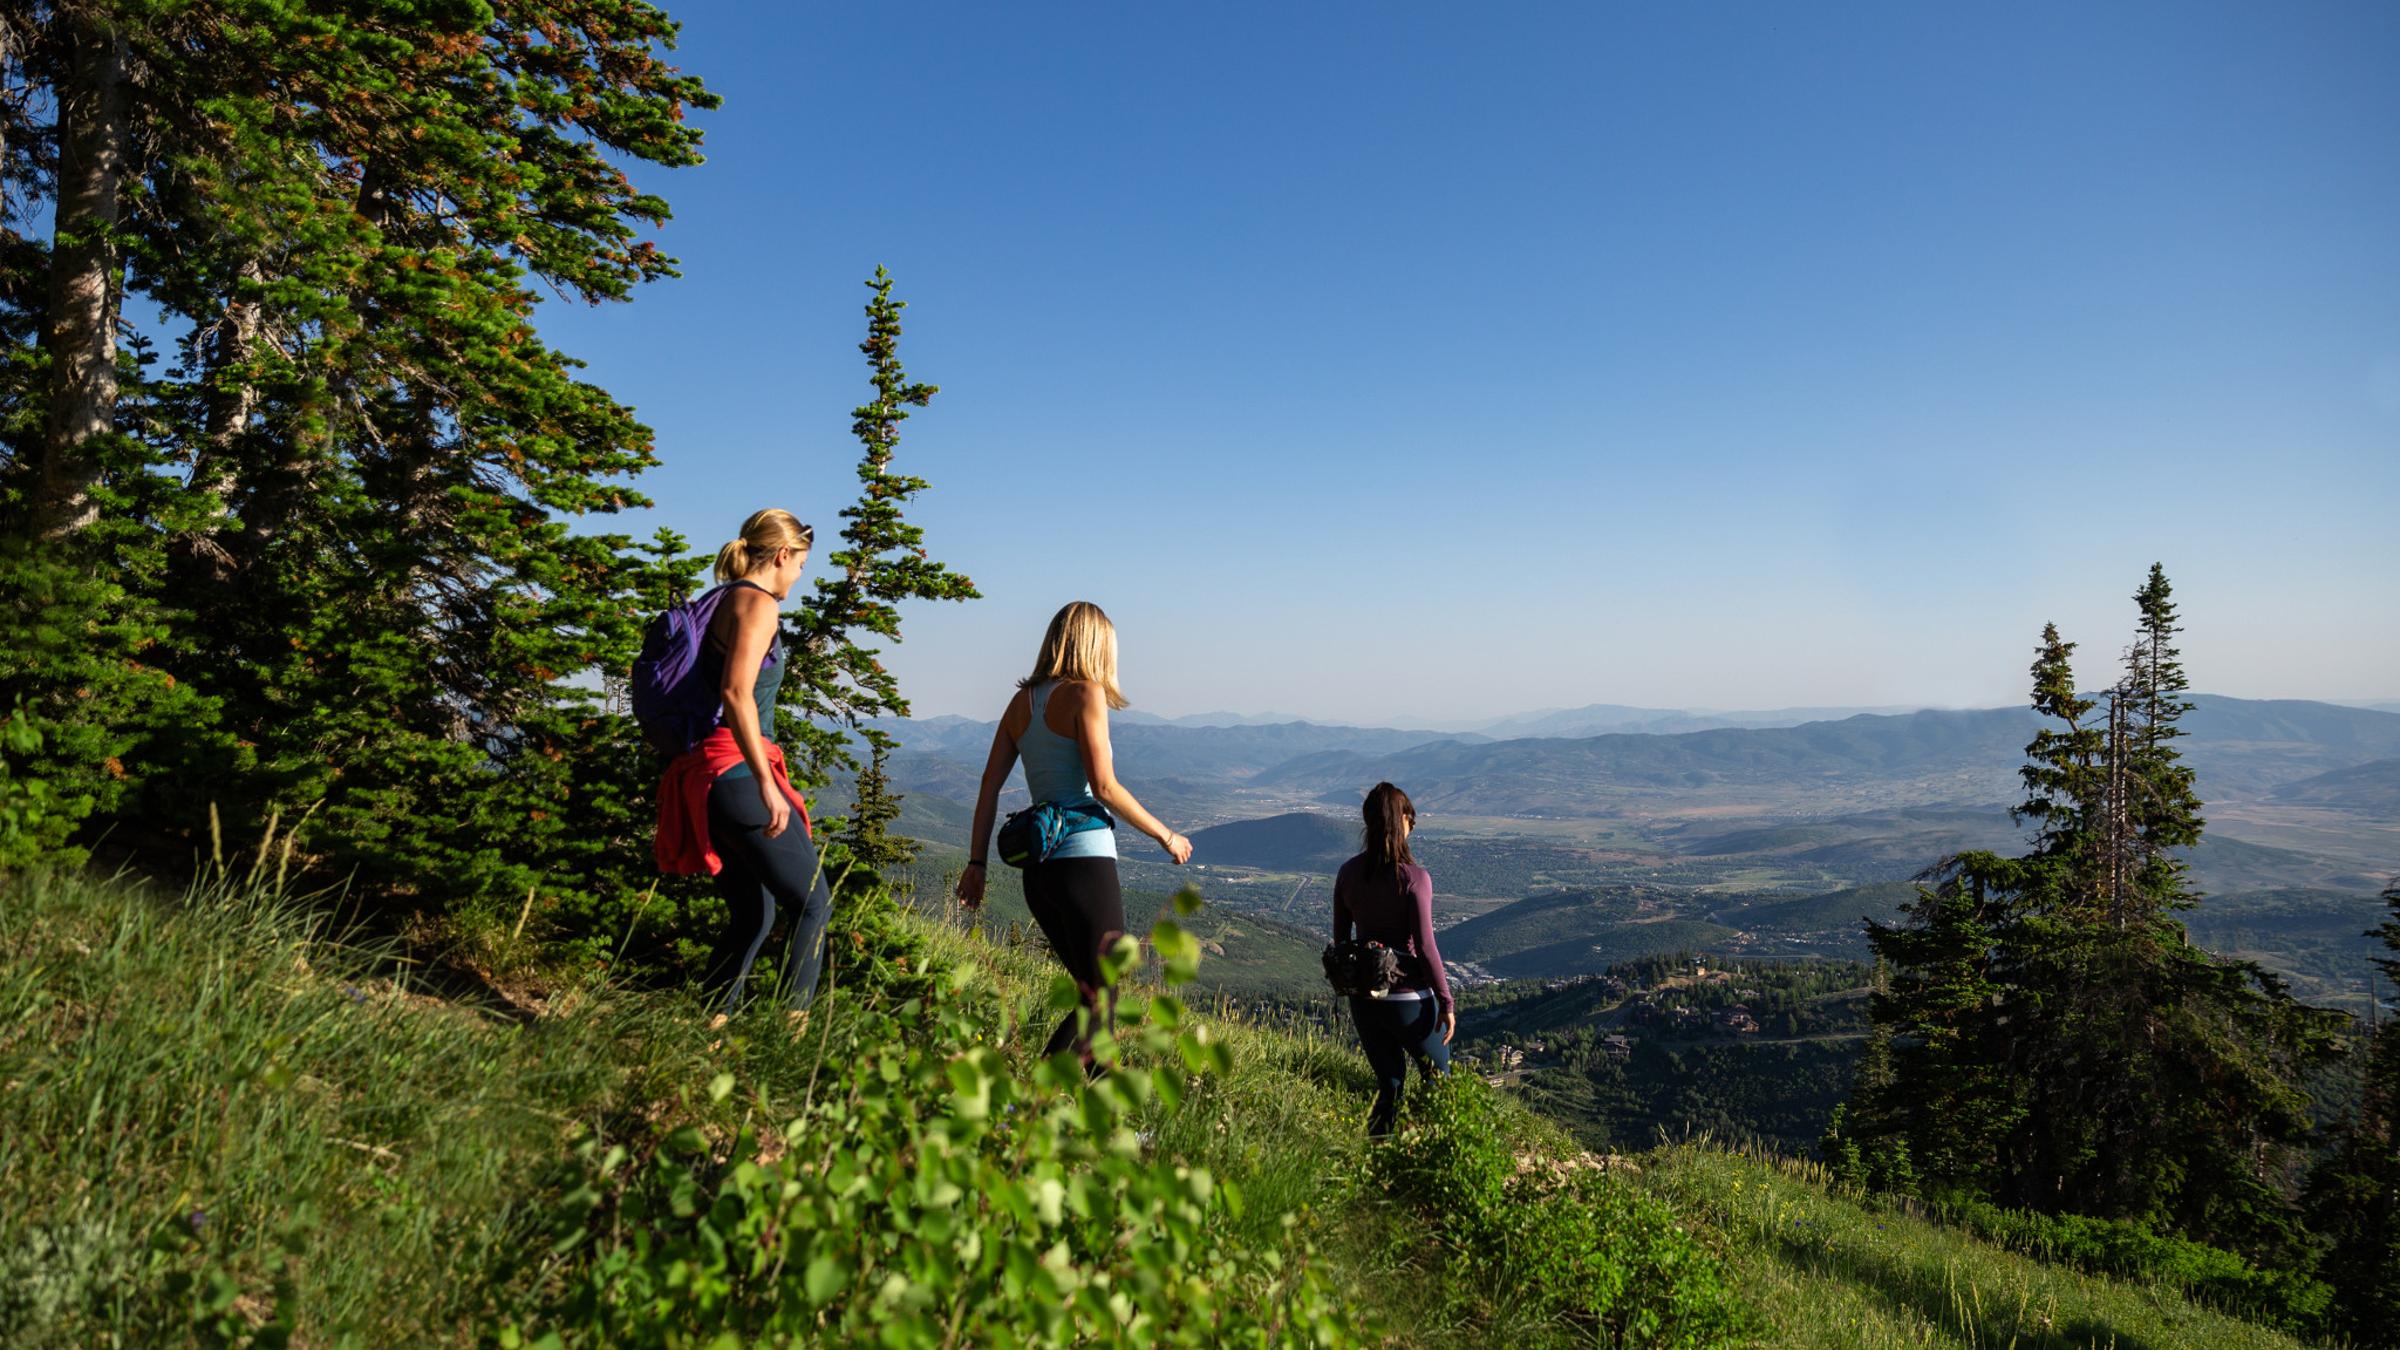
(357, 995)
(197, 1219)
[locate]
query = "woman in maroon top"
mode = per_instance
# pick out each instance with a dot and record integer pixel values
(1383, 896)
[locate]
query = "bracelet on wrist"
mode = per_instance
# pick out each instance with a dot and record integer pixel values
(974, 862)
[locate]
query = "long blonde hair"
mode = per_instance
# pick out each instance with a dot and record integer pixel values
(762, 534)
(1081, 645)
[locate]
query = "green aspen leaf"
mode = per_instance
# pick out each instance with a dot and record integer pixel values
(1168, 1084)
(720, 1087)
(1120, 957)
(825, 1277)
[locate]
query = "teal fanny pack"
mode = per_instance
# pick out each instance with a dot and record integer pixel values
(1033, 834)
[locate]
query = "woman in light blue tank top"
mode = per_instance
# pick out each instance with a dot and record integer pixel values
(1058, 724)
(1054, 772)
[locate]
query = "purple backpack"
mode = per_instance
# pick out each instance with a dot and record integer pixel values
(675, 704)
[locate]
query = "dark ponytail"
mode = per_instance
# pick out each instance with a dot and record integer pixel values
(1387, 810)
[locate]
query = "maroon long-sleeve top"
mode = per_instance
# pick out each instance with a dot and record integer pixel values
(1370, 899)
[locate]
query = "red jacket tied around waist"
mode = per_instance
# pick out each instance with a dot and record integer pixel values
(683, 847)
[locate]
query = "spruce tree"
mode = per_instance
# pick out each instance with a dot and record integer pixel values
(838, 682)
(2160, 799)
(344, 514)
(1937, 1093)
(867, 833)
(2056, 1041)
(2354, 1194)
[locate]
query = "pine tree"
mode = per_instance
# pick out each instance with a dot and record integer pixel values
(2354, 1194)
(2158, 796)
(2055, 1041)
(837, 682)
(1937, 1094)
(2065, 775)
(344, 513)
(867, 833)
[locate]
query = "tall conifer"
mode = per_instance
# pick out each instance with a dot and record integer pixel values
(2057, 1042)
(838, 682)
(2354, 1194)
(346, 515)
(2161, 801)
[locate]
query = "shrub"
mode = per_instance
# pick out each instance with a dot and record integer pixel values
(2284, 1299)
(86, 714)
(928, 1193)
(1570, 1241)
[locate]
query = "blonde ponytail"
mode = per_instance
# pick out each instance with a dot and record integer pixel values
(762, 534)
(1081, 644)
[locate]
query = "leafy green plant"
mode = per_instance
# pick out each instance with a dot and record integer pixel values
(2287, 1299)
(929, 1193)
(1569, 1240)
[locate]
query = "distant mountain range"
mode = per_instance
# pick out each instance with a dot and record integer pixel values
(1136, 717)
(1588, 720)
(2239, 746)
(1575, 932)
(2243, 749)
(1601, 718)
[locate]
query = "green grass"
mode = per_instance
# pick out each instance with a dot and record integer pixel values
(210, 1107)
(1839, 1273)
(188, 1085)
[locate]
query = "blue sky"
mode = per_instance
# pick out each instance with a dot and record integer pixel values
(1380, 360)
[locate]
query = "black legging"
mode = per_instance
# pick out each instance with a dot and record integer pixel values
(760, 874)
(1081, 910)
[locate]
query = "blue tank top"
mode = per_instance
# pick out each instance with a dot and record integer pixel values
(1054, 773)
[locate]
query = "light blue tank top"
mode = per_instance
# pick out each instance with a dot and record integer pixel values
(1054, 773)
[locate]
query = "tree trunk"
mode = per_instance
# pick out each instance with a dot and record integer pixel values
(229, 406)
(8, 51)
(80, 331)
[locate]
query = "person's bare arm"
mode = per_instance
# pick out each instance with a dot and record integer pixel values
(1090, 713)
(1420, 899)
(996, 767)
(752, 628)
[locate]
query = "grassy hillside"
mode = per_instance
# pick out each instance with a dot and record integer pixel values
(2223, 865)
(1539, 921)
(1834, 1273)
(1574, 933)
(2371, 789)
(1301, 841)
(1835, 909)
(1869, 846)
(218, 1126)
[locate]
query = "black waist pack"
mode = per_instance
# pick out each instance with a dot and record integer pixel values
(1361, 969)
(1033, 834)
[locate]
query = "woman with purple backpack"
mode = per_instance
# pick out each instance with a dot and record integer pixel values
(1382, 896)
(726, 804)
